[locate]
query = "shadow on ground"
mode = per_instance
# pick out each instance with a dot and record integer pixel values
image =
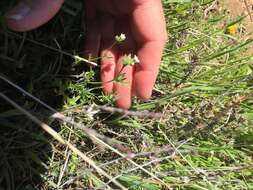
(24, 148)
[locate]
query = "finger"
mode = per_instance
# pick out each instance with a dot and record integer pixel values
(93, 35)
(108, 53)
(124, 89)
(106, 6)
(123, 7)
(30, 14)
(146, 72)
(149, 29)
(90, 10)
(148, 21)
(92, 41)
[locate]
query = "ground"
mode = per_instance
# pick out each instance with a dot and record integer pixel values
(202, 138)
(239, 8)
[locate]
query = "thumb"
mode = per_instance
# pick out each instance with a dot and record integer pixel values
(30, 14)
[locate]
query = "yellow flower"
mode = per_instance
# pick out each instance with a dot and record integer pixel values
(231, 29)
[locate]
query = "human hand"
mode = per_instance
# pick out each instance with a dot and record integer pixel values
(143, 23)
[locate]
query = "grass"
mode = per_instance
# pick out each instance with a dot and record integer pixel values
(204, 90)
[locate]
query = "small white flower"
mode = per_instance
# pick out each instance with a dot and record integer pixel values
(136, 59)
(120, 38)
(130, 60)
(205, 178)
(186, 179)
(91, 112)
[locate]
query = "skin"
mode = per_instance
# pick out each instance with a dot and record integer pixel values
(143, 23)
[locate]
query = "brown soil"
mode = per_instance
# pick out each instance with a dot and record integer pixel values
(240, 8)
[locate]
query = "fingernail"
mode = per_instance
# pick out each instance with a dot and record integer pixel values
(19, 12)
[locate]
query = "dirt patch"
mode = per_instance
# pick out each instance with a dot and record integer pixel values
(242, 8)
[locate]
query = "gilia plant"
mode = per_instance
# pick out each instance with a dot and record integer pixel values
(128, 60)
